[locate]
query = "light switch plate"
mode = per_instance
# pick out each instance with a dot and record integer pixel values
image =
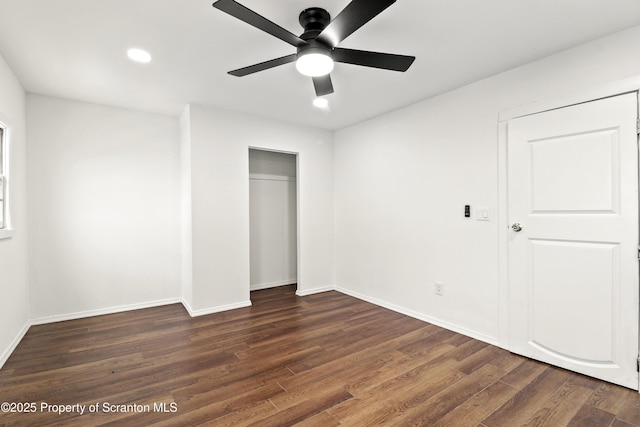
(482, 214)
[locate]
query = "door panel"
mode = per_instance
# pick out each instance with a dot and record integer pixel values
(578, 272)
(573, 268)
(575, 172)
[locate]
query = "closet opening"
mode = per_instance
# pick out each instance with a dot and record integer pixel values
(273, 216)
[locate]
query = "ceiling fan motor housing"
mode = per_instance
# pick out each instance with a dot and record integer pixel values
(314, 20)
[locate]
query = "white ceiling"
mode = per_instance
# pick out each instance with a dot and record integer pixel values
(76, 49)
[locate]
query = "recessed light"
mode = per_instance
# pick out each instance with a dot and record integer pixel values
(139, 55)
(321, 103)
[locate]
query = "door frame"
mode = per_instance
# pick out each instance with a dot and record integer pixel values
(297, 181)
(607, 90)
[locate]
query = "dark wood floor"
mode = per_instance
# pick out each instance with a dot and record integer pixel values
(323, 360)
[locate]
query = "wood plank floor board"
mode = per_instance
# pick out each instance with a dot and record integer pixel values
(561, 408)
(590, 416)
(297, 391)
(478, 407)
(349, 343)
(467, 349)
(507, 361)
(420, 345)
(202, 388)
(203, 408)
(322, 360)
(608, 397)
(366, 361)
(386, 400)
(483, 357)
(630, 411)
(243, 417)
(524, 373)
(358, 365)
(305, 409)
(322, 419)
(430, 411)
(529, 399)
(403, 367)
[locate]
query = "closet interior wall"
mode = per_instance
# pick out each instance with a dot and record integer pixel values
(273, 218)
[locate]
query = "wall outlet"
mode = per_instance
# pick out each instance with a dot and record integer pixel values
(438, 288)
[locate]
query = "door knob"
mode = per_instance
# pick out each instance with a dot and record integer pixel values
(516, 227)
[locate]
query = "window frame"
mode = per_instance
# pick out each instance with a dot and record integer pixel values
(5, 137)
(2, 183)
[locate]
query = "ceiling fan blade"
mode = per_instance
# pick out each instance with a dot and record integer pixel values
(323, 85)
(386, 61)
(355, 15)
(240, 72)
(247, 15)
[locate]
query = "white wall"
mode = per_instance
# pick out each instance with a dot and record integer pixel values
(104, 208)
(186, 243)
(14, 283)
(402, 180)
(220, 141)
(262, 162)
(273, 219)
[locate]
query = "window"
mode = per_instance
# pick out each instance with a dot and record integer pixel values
(3, 179)
(6, 227)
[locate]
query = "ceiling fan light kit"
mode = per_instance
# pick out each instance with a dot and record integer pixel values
(316, 47)
(314, 63)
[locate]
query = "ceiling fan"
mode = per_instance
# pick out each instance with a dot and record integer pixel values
(316, 46)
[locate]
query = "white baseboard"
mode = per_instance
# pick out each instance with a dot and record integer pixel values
(443, 324)
(306, 292)
(103, 311)
(211, 310)
(260, 286)
(7, 353)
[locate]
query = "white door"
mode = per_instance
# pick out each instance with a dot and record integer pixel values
(573, 265)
